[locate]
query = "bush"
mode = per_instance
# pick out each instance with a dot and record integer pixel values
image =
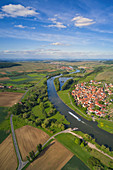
(94, 162)
(38, 121)
(78, 141)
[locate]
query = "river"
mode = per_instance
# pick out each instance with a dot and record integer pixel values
(89, 127)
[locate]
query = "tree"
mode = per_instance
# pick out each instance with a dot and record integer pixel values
(111, 164)
(32, 155)
(38, 121)
(47, 122)
(25, 115)
(92, 161)
(16, 109)
(77, 141)
(82, 144)
(103, 147)
(39, 147)
(61, 126)
(107, 149)
(28, 158)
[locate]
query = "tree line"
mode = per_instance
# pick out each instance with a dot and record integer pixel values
(38, 96)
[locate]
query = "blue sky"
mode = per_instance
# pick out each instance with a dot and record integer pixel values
(56, 29)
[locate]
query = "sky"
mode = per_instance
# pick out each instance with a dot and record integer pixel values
(56, 29)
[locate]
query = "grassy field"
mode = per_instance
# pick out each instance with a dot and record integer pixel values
(37, 112)
(75, 164)
(106, 75)
(68, 141)
(106, 125)
(60, 117)
(81, 152)
(4, 124)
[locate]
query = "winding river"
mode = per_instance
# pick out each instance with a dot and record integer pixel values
(89, 127)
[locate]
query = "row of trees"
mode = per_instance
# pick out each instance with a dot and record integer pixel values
(32, 155)
(38, 96)
(67, 84)
(93, 162)
(57, 84)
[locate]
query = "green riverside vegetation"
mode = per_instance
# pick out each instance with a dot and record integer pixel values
(84, 153)
(36, 110)
(4, 123)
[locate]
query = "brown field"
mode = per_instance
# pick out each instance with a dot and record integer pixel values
(28, 138)
(8, 99)
(55, 156)
(4, 78)
(20, 71)
(28, 66)
(8, 160)
(107, 75)
(2, 73)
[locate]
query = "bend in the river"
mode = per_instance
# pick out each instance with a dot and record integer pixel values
(89, 127)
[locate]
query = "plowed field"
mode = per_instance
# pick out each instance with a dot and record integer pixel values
(8, 158)
(55, 156)
(28, 138)
(8, 99)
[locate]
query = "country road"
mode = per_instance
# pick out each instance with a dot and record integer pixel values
(21, 163)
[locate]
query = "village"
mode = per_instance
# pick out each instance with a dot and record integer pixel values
(93, 96)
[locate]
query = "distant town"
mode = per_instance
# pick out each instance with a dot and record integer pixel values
(93, 97)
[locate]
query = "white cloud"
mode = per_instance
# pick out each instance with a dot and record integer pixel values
(56, 23)
(59, 44)
(56, 43)
(22, 26)
(81, 21)
(43, 53)
(17, 10)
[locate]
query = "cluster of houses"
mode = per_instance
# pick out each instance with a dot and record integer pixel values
(66, 68)
(92, 96)
(6, 87)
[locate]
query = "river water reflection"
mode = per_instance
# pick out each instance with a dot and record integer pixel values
(89, 127)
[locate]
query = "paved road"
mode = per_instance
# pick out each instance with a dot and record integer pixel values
(21, 163)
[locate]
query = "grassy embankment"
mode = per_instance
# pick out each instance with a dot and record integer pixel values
(83, 153)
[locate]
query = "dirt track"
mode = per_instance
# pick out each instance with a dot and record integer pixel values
(28, 138)
(55, 156)
(8, 158)
(8, 99)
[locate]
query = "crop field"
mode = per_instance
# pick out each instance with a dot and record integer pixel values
(106, 125)
(8, 99)
(75, 164)
(28, 138)
(8, 158)
(55, 155)
(106, 75)
(4, 78)
(30, 67)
